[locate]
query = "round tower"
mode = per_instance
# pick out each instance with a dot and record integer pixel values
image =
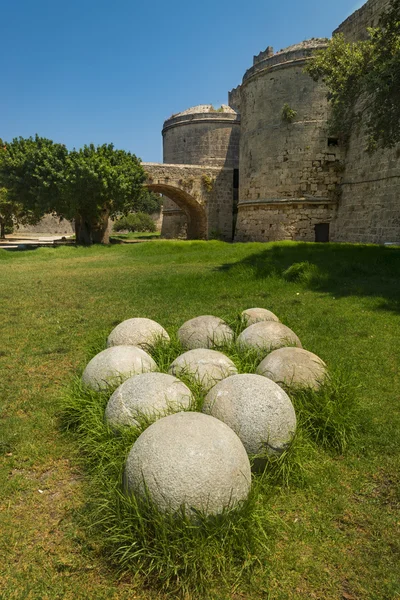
(288, 163)
(201, 135)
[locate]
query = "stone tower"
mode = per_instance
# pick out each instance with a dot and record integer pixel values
(288, 164)
(201, 135)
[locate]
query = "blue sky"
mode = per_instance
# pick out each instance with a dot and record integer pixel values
(99, 71)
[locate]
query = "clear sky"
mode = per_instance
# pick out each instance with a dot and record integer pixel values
(82, 71)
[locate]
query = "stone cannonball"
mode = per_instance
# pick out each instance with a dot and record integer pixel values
(137, 332)
(189, 459)
(295, 367)
(255, 315)
(113, 365)
(257, 409)
(149, 394)
(205, 367)
(266, 336)
(205, 332)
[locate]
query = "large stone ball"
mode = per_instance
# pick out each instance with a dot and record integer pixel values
(266, 336)
(112, 366)
(205, 332)
(255, 315)
(205, 367)
(150, 395)
(137, 332)
(294, 367)
(192, 460)
(257, 409)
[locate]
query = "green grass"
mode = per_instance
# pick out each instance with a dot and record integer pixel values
(324, 523)
(137, 235)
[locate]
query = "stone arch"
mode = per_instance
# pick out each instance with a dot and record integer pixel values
(195, 212)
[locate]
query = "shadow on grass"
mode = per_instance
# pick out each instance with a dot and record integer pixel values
(339, 269)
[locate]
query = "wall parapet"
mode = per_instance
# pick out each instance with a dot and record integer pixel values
(292, 54)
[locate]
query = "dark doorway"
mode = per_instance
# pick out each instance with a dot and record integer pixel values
(322, 232)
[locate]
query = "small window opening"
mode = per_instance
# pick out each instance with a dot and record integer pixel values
(333, 141)
(235, 178)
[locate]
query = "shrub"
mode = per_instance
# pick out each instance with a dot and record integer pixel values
(288, 114)
(135, 222)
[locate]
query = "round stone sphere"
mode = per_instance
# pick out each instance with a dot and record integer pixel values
(189, 459)
(255, 315)
(150, 395)
(204, 367)
(257, 409)
(205, 332)
(294, 367)
(266, 336)
(112, 366)
(137, 332)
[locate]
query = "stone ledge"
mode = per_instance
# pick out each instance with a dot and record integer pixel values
(286, 202)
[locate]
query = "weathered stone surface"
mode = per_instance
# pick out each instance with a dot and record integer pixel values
(205, 332)
(150, 395)
(113, 365)
(266, 336)
(205, 367)
(192, 460)
(255, 315)
(257, 409)
(139, 332)
(294, 367)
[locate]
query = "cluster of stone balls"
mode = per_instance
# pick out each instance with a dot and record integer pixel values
(192, 459)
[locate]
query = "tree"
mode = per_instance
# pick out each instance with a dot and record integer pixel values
(88, 185)
(363, 79)
(101, 182)
(12, 214)
(148, 202)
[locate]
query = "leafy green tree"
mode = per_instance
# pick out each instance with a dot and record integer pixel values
(101, 182)
(137, 221)
(88, 185)
(148, 202)
(13, 214)
(363, 79)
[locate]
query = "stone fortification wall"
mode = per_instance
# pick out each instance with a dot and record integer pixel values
(49, 225)
(369, 206)
(198, 136)
(282, 220)
(294, 164)
(355, 26)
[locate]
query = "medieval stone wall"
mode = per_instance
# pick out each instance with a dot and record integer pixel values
(369, 206)
(355, 26)
(282, 221)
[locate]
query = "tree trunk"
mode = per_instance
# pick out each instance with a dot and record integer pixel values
(92, 231)
(100, 229)
(82, 231)
(2, 230)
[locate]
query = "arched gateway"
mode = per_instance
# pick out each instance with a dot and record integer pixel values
(205, 194)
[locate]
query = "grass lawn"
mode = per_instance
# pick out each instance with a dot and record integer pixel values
(334, 534)
(137, 235)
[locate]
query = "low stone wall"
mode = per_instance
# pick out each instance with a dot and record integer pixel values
(281, 220)
(49, 225)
